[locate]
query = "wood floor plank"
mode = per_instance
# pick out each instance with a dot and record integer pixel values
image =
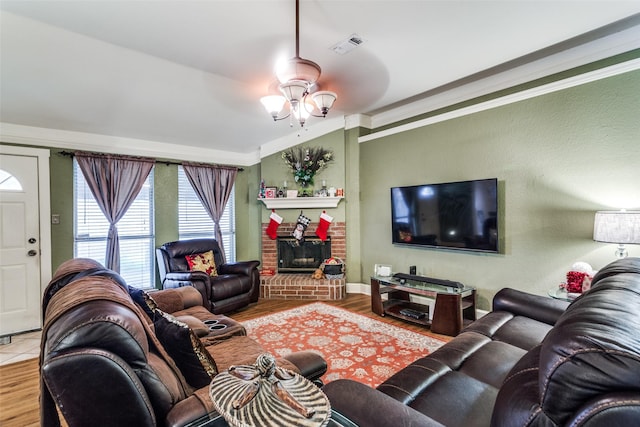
(19, 394)
(19, 382)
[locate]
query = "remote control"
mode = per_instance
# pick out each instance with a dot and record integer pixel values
(412, 313)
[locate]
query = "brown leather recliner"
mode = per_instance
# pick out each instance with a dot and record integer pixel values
(236, 285)
(103, 363)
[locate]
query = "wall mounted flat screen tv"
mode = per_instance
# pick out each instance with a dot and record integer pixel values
(456, 215)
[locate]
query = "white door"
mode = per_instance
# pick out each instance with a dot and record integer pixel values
(19, 244)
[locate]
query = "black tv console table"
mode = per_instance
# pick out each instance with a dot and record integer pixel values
(455, 303)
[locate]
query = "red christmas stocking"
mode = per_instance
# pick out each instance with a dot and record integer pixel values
(323, 225)
(274, 222)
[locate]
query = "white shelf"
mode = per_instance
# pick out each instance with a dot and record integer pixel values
(301, 202)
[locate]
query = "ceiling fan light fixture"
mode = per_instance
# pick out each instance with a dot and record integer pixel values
(294, 91)
(299, 69)
(298, 77)
(273, 104)
(324, 100)
(301, 113)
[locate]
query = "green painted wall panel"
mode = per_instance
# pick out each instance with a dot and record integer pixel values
(558, 159)
(61, 174)
(275, 172)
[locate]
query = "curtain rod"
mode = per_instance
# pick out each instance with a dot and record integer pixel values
(165, 162)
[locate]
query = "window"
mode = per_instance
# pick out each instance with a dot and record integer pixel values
(9, 182)
(194, 221)
(135, 229)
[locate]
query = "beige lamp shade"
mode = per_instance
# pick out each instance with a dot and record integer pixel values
(621, 227)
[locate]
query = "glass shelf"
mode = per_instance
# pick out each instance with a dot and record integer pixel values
(301, 202)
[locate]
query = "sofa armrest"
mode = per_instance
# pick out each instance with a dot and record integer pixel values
(310, 364)
(187, 411)
(197, 279)
(537, 307)
(172, 300)
(186, 276)
(366, 406)
(240, 267)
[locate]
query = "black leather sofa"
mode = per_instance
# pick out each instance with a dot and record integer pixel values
(236, 285)
(532, 361)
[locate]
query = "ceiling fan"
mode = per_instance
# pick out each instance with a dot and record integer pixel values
(297, 80)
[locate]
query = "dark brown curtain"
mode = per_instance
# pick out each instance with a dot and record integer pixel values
(213, 185)
(115, 182)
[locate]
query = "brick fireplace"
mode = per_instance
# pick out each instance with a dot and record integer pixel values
(302, 285)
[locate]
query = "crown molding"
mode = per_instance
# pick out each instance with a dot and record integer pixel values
(353, 121)
(618, 38)
(581, 79)
(71, 140)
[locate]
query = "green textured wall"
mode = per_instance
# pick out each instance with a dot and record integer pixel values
(248, 214)
(61, 174)
(275, 172)
(165, 189)
(558, 158)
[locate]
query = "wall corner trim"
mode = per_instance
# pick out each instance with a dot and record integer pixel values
(581, 79)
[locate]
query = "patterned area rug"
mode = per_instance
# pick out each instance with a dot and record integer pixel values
(354, 346)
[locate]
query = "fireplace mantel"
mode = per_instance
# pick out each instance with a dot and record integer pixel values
(301, 202)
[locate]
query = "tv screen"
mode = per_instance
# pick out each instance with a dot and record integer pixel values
(456, 215)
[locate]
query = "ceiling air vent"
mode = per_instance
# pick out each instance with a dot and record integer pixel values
(345, 46)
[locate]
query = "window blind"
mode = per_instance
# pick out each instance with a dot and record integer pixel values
(194, 221)
(135, 230)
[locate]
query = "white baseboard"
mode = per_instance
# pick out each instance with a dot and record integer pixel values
(358, 288)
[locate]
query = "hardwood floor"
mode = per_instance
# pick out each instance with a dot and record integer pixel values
(19, 392)
(19, 382)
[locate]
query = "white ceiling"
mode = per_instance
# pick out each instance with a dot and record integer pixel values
(156, 76)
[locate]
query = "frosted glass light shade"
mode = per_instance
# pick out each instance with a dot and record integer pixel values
(273, 104)
(324, 100)
(294, 90)
(300, 113)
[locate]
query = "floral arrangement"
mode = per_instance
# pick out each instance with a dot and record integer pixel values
(305, 163)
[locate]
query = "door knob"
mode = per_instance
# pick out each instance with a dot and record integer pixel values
(32, 252)
(32, 240)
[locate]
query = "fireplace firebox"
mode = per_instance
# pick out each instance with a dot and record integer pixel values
(302, 257)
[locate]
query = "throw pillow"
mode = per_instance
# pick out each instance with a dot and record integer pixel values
(202, 262)
(144, 301)
(186, 350)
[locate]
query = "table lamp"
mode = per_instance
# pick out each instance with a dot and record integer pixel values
(621, 227)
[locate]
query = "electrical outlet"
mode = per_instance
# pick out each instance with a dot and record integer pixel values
(55, 219)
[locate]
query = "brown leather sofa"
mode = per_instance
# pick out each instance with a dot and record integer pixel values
(236, 285)
(103, 361)
(529, 362)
